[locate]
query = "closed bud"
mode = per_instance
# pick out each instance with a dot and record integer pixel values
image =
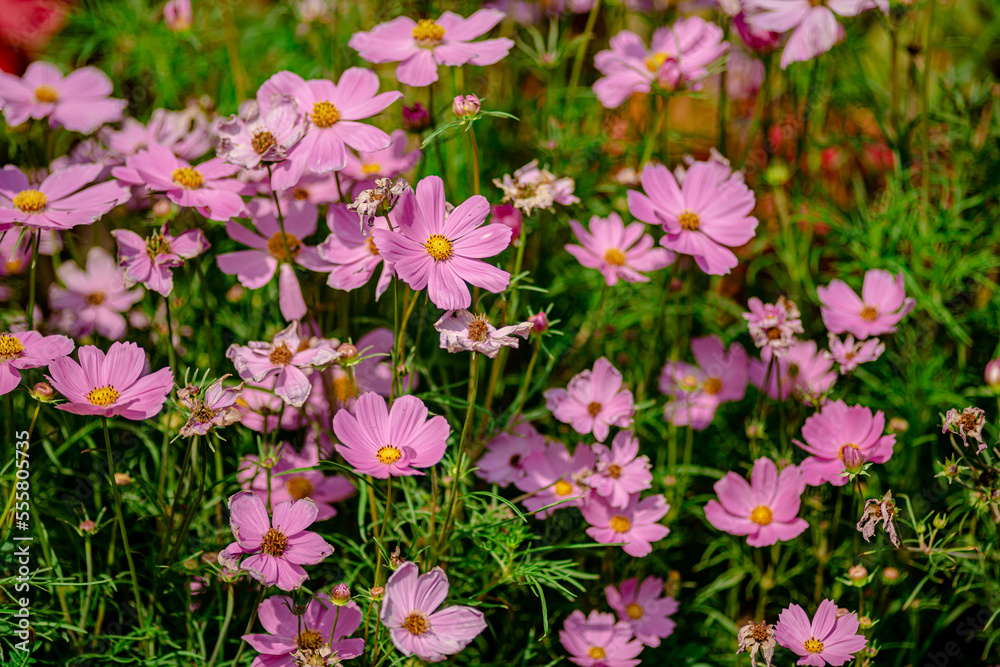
(940, 521)
(890, 575)
(539, 322)
(865, 622)
(122, 479)
(162, 208)
(340, 595)
(43, 391)
(465, 106)
(898, 425)
(347, 352)
(858, 574)
(416, 118)
(87, 527)
(854, 460)
(377, 592)
(992, 374)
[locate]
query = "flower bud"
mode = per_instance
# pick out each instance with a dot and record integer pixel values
(340, 595)
(992, 374)
(162, 208)
(122, 479)
(890, 575)
(87, 527)
(347, 352)
(539, 322)
(898, 425)
(853, 459)
(43, 391)
(177, 15)
(506, 214)
(377, 592)
(465, 106)
(940, 521)
(865, 622)
(416, 118)
(858, 574)
(761, 41)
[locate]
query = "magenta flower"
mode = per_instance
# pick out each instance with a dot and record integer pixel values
(28, 349)
(256, 136)
(802, 372)
(765, 510)
(58, 202)
(507, 214)
(95, 297)
(511, 456)
(333, 111)
(186, 133)
(177, 14)
(416, 625)
(555, 480)
(636, 525)
(618, 251)
(286, 357)
(849, 354)
(278, 547)
(80, 101)
(443, 251)
(217, 408)
(317, 637)
(290, 480)
(644, 607)
(703, 218)
(420, 46)
(599, 641)
(826, 640)
(461, 331)
(389, 162)
(270, 252)
(594, 401)
(679, 56)
(110, 385)
(836, 428)
(266, 411)
(882, 305)
(150, 261)
(352, 253)
(382, 442)
(620, 471)
(773, 325)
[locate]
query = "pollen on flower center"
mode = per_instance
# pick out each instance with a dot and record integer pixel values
(309, 640)
(342, 389)
(563, 488)
(614, 257)
(438, 247)
(634, 611)
(10, 347)
(299, 488)
(388, 454)
(262, 140)
(274, 543)
(30, 201)
(869, 313)
(712, 386)
(427, 33)
(814, 645)
(300, 194)
(416, 623)
(280, 355)
(372, 248)
(102, 396)
(843, 447)
(479, 328)
(187, 177)
(276, 245)
(597, 653)
(46, 94)
(655, 61)
(371, 168)
(594, 409)
(95, 299)
(620, 524)
(761, 515)
(614, 471)
(157, 245)
(760, 631)
(689, 220)
(324, 114)
(203, 414)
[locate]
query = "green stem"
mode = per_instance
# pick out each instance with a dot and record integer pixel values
(475, 161)
(473, 388)
(925, 101)
(253, 617)
(659, 122)
(170, 339)
(581, 51)
(32, 278)
(807, 115)
(522, 395)
(224, 629)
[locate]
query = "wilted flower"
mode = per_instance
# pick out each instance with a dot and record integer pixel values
(773, 325)
(378, 201)
(462, 331)
(757, 638)
(969, 424)
(532, 188)
(257, 136)
(878, 511)
(215, 410)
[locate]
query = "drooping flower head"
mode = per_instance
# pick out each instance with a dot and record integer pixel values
(532, 187)
(637, 525)
(60, 202)
(757, 638)
(216, 409)
(80, 101)
(594, 401)
(618, 251)
(598, 640)
(28, 349)
(94, 298)
(879, 511)
(316, 637)
(836, 431)
(379, 201)
(150, 261)
(417, 625)
(620, 471)
(645, 608)
(825, 640)
(112, 384)
(883, 303)
(461, 331)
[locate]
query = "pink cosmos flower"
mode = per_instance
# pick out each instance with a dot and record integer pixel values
(352, 252)
(255, 136)
(270, 252)
(286, 357)
(461, 331)
(773, 325)
(701, 218)
(679, 56)
(814, 28)
(836, 428)
(826, 640)
(511, 456)
(186, 133)
(217, 408)
(177, 14)
(532, 187)
(382, 442)
(636, 525)
(416, 625)
(507, 214)
(802, 371)
(389, 162)
(317, 637)
(291, 480)
(594, 401)
(696, 391)
(644, 607)
(620, 471)
(205, 187)
(849, 354)
(765, 510)
(278, 547)
(110, 385)
(28, 349)
(618, 251)
(333, 111)
(598, 640)
(882, 305)
(265, 410)
(96, 296)
(79, 102)
(150, 261)
(58, 202)
(443, 251)
(420, 46)
(555, 481)
(744, 75)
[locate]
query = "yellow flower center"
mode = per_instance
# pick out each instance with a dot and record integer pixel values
(614, 471)
(712, 386)
(689, 220)
(814, 645)
(281, 355)
(274, 543)
(634, 611)
(614, 257)
(843, 447)
(594, 409)
(299, 488)
(372, 248)
(869, 313)
(102, 396)
(438, 247)
(371, 168)
(761, 515)
(300, 194)
(46, 94)
(187, 177)
(284, 249)
(324, 114)
(563, 488)
(689, 382)
(95, 299)
(262, 140)
(620, 524)
(416, 623)
(342, 389)
(10, 347)
(427, 33)
(203, 414)
(655, 61)
(309, 640)
(597, 653)
(30, 201)
(389, 454)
